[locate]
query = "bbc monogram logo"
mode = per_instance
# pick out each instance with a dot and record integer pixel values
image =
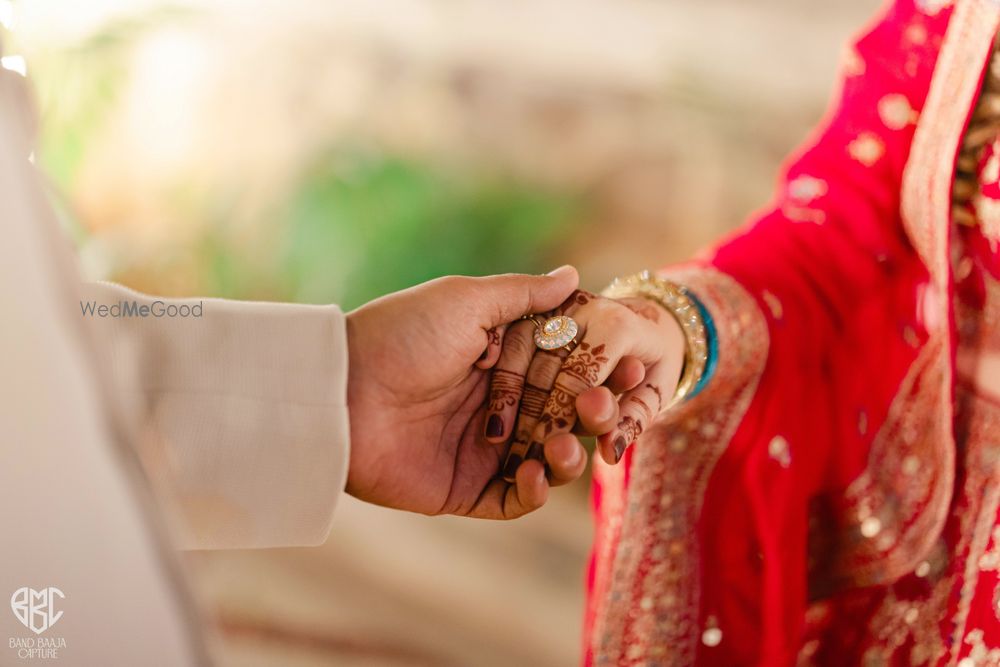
(37, 610)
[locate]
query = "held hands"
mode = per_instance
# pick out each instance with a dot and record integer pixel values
(621, 373)
(431, 427)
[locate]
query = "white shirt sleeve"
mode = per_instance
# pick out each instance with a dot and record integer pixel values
(241, 407)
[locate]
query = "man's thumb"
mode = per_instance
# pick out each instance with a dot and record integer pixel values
(518, 294)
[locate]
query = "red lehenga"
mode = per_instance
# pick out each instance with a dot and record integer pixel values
(831, 497)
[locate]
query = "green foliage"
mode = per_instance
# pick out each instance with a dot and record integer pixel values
(362, 226)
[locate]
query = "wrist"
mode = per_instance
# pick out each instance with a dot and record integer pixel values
(355, 395)
(674, 334)
(654, 311)
(687, 315)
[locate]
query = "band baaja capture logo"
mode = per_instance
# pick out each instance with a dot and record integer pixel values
(38, 611)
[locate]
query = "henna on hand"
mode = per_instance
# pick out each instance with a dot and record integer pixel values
(585, 365)
(629, 430)
(644, 309)
(580, 372)
(547, 405)
(578, 298)
(532, 401)
(542, 373)
(647, 401)
(505, 389)
(559, 411)
(641, 403)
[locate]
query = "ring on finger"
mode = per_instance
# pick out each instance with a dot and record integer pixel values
(533, 319)
(557, 332)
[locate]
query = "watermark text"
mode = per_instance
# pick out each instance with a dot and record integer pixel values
(135, 308)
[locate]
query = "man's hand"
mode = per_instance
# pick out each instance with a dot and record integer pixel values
(417, 384)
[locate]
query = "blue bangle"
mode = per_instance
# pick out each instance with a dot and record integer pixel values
(712, 338)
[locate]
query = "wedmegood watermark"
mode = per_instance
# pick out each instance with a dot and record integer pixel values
(138, 309)
(38, 610)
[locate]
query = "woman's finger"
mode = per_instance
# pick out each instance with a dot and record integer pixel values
(614, 331)
(629, 372)
(507, 381)
(638, 408)
(538, 384)
(587, 366)
(597, 410)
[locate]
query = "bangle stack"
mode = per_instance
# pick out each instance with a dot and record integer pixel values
(694, 320)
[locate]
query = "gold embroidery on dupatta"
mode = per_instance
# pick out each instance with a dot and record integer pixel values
(867, 148)
(932, 7)
(990, 560)
(882, 523)
(979, 513)
(647, 591)
(952, 571)
(900, 620)
(910, 516)
(801, 194)
(853, 64)
(929, 172)
(980, 328)
(895, 111)
(988, 212)
(979, 654)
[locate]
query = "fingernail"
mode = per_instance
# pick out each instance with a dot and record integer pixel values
(574, 460)
(535, 452)
(562, 270)
(494, 426)
(511, 466)
(620, 446)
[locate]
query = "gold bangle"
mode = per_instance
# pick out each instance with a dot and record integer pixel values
(678, 303)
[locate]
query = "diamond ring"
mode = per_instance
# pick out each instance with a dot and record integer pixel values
(556, 332)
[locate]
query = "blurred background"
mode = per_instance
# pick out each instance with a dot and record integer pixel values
(332, 151)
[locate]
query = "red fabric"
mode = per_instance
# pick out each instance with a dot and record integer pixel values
(848, 287)
(841, 286)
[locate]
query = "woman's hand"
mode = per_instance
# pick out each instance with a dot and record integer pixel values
(621, 374)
